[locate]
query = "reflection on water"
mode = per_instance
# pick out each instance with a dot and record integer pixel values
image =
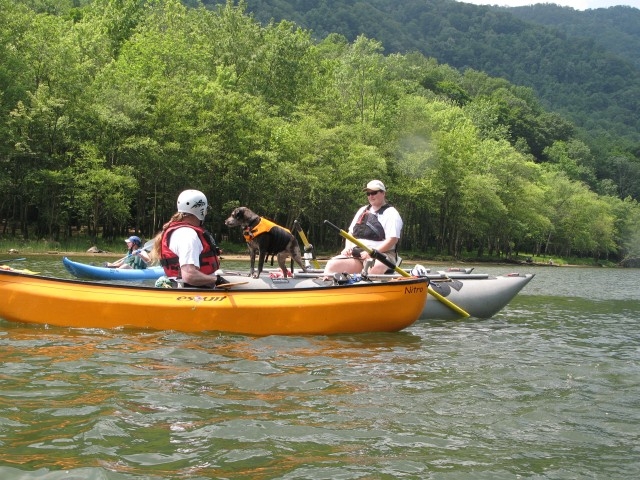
(548, 388)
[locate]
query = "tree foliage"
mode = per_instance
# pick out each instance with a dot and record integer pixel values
(110, 109)
(581, 65)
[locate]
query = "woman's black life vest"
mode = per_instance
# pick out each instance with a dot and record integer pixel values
(368, 226)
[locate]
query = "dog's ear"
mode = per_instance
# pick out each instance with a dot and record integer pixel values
(238, 213)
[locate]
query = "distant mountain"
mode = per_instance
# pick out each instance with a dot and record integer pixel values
(584, 65)
(617, 29)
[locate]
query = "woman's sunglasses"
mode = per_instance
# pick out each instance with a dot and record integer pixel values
(371, 194)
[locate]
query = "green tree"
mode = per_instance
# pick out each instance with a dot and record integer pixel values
(361, 80)
(101, 196)
(628, 226)
(581, 222)
(573, 158)
(282, 73)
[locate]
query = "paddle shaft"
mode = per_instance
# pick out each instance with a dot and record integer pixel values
(12, 260)
(306, 243)
(383, 258)
(226, 286)
(147, 246)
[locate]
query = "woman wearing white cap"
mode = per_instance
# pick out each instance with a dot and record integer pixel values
(378, 226)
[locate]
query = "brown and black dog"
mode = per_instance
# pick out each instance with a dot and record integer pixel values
(265, 238)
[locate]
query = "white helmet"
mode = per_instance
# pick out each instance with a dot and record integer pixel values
(193, 202)
(419, 271)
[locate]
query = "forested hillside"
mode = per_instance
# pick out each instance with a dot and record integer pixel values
(110, 109)
(580, 75)
(617, 29)
(592, 79)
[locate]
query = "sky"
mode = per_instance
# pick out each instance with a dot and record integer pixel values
(576, 4)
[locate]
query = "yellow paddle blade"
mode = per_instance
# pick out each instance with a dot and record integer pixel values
(15, 270)
(306, 243)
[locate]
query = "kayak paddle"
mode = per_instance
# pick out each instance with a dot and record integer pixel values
(307, 246)
(12, 260)
(383, 258)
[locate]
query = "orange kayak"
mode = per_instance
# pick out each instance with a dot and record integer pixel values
(284, 307)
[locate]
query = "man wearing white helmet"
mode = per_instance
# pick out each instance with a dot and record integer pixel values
(186, 250)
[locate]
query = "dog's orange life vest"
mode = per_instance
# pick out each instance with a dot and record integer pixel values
(263, 226)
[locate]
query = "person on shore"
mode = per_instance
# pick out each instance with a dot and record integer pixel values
(136, 257)
(187, 251)
(378, 226)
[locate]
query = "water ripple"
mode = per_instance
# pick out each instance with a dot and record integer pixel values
(548, 388)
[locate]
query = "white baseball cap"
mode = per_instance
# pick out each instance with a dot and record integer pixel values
(374, 185)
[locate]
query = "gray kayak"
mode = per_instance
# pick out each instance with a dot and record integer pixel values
(480, 295)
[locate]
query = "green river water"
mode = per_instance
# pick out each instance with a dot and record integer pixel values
(547, 389)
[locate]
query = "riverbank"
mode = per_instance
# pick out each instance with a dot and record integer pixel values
(80, 250)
